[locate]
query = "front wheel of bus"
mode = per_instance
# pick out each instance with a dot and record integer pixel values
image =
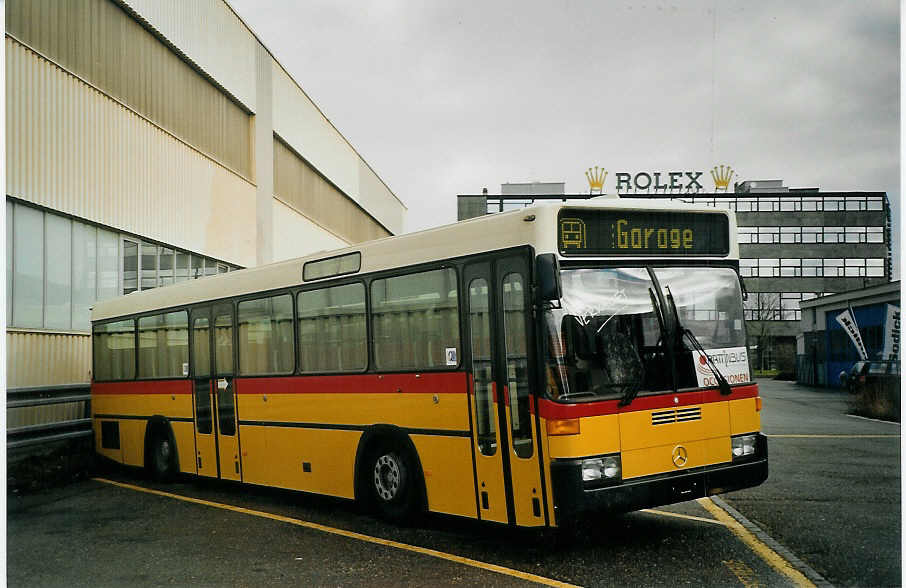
(163, 463)
(392, 479)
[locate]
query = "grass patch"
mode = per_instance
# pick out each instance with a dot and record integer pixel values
(878, 400)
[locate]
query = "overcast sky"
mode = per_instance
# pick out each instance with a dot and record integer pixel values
(445, 98)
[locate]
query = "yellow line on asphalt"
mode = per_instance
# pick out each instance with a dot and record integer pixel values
(665, 513)
(745, 574)
(350, 534)
(834, 436)
(763, 551)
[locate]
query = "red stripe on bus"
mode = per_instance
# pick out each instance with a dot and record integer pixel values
(436, 383)
(555, 410)
(143, 387)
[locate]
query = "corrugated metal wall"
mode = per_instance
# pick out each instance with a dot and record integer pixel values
(212, 36)
(302, 126)
(75, 150)
(43, 359)
(301, 187)
(298, 235)
(98, 41)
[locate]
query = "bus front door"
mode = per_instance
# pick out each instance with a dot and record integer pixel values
(508, 468)
(216, 443)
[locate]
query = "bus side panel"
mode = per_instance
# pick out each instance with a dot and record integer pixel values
(307, 459)
(743, 416)
(449, 481)
(142, 399)
(184, 434)
(132, 441)
(114, 450)
(597, 435)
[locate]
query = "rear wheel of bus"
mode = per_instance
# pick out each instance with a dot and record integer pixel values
(162, 460)
(393, 482)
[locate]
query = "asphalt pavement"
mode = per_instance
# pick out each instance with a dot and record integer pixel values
(833, 493)
(832, 499)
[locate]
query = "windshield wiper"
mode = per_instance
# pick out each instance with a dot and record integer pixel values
(722, 382)
(633, 391)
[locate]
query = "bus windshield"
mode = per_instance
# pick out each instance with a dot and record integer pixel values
(612, 338)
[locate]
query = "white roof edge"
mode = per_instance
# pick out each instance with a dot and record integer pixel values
(484, 233)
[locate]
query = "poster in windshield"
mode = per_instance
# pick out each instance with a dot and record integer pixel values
(733, 363)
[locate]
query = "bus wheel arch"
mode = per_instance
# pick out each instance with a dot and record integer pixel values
(388, 474)
(161, 455)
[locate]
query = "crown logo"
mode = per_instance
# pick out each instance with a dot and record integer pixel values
(722, 176)
(596, 179)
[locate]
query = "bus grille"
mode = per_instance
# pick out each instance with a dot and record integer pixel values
(676, 415)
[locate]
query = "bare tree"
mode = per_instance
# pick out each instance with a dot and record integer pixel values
(762, 309)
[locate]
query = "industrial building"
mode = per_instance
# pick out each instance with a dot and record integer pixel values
(150, 142)
(794, 245)
(824, 349)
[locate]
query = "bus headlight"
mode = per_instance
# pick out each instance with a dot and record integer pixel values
(742, 446)
(601, 469)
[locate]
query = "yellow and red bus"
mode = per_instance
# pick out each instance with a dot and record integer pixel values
(522, 368)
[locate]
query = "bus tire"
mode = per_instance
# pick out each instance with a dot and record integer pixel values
(162, 460)
(393, 482)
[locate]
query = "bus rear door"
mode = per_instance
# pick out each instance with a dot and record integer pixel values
(216, 442)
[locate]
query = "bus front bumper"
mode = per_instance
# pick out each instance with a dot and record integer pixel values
(572, 497)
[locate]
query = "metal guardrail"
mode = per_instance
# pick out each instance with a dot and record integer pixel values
(49, 432)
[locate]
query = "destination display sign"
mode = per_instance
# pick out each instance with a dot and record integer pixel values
(642, 232)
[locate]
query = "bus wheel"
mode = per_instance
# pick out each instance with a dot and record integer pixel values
(392, 480)
(163, 459)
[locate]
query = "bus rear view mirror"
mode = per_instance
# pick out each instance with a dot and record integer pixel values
(547, 277)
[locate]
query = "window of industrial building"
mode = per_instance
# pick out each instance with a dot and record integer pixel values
(812, 268)
(875, 234)
(768, 234)
(165, 267)
(332, 329)
(58, 272)
(768, 267)
(416, 320)
(9, 262)
(28, 267)
(266, 335)
(790, 267)
(874, 267)
(163, 345)
(58, 267)
(790, 234)
(130, 266)
(748, 268)
(812, 234)
(114, 351)
(149, 266)
(748, 234)
(833, 234)
(854, 268)
(833, 268)
(84, 273)
(855, 234)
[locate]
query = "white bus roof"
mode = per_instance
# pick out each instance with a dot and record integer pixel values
(533, 225)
